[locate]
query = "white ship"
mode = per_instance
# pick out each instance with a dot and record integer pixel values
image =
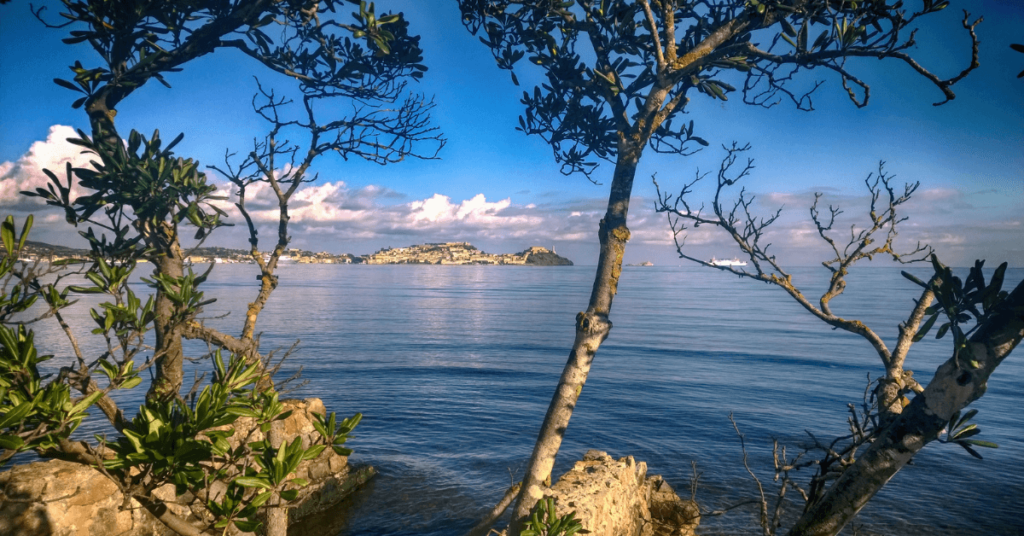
(726, 262)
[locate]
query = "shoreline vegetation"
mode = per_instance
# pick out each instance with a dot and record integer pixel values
(451, 253)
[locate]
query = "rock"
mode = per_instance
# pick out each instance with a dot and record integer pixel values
(328, 493)
(61, 498)
(671, 515)
(58, 498)
(538, 256)
(617, 498)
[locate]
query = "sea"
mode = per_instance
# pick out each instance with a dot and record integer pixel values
(453, 368)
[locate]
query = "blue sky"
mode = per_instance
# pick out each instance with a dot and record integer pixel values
(502, 191)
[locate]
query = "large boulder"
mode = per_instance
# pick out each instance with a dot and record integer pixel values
(617, 498)
(58, 498)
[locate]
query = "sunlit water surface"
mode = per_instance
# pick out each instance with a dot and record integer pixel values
(453, 368)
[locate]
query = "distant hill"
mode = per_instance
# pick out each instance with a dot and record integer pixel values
(42, 248)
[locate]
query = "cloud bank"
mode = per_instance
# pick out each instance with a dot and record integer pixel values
(338, 217)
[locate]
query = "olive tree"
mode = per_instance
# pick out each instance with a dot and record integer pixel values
(891, 427)
(616, 76)
(139, 197)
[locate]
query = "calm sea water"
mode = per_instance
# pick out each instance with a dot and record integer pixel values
(453, 368)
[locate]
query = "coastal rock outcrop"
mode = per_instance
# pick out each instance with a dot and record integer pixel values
(617, 498)
(58, 498)
(538, 256)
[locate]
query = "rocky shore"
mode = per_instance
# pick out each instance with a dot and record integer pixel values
(610, 497)
(59, 498)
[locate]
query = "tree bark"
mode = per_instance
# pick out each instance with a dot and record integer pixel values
(160, 511)
(592, 327)
(276, 515)
(952, 389)
(169, 261)
(897, 380)
(169, 354)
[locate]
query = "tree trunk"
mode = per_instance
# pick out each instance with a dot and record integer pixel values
(898, 381)
(168, 350)
(276, 515)
(592, 327)
(170, 261)
(952, 389)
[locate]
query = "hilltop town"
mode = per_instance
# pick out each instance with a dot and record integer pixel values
(464, 253)
(458, 253)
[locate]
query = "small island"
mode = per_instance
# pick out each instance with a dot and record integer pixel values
(464, 253)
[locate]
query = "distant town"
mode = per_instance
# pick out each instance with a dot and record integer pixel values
(456, 253)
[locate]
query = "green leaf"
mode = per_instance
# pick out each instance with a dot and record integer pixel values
(313, 452)
(970, 431)
(788, 28)
(85, 290)
(969, 450)
(350, 423)
(252, 482)
(820, 41)
(991, 295)
(247, 526)
(16, 415)
(67, 85)
(980, 443)
(967, 416)
(25, 231)
(85, 403)
(11, 442)
(290, 495)
(7, 234)
(260, 499)
(924, 329)
(130, 383)
(320, 428)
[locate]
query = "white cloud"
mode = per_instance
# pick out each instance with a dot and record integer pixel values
(53, 153)
(340, 217)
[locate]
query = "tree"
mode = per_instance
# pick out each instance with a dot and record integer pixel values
(747, 230)
(140, 197)
(616, 76)
(901, 426)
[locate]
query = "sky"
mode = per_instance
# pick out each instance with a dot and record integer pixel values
(502, 191)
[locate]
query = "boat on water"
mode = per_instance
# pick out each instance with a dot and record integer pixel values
(726, 262)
